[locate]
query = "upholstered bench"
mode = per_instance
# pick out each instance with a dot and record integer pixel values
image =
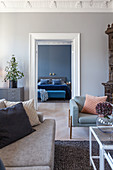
(54, 93)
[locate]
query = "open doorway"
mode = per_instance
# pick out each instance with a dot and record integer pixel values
(33, 61)
(54, 71)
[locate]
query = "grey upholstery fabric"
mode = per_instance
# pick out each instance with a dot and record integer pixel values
(80, 101)
(40, 116)
(34, 150)
(74, 112)
(85, 118)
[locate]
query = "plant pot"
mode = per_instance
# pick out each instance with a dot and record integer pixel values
(12, 84)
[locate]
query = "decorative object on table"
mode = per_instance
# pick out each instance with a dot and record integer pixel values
(43, 95)
(104, 111)
(109, 85)
(13, 74)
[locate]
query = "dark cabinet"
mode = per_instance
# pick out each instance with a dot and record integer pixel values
(12, 94)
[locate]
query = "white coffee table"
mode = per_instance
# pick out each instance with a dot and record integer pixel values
(105, 141)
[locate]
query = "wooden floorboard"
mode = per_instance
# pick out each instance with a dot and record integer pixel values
(59, 112)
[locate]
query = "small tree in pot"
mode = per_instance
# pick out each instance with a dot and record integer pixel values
(12, 73)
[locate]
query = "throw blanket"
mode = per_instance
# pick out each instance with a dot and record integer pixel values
(43, 95)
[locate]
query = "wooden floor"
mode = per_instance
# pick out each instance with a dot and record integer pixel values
(59, 112)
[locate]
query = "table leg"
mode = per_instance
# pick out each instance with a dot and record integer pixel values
(101, 158)
(90, 145)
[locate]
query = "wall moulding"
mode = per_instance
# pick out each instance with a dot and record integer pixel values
(74, 38)
(56, 6)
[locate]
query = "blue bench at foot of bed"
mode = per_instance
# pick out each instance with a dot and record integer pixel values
(54, 94)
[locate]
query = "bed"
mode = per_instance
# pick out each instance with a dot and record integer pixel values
(55, 87)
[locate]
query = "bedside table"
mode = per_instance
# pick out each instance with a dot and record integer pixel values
(68, 84)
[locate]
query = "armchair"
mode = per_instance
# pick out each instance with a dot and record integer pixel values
(78, 119)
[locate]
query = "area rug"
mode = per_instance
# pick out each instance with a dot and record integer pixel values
(74, 155)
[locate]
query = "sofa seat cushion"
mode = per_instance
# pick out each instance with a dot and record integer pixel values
(36, 149)
(85, 118)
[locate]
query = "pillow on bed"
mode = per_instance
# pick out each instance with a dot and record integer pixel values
(44, 81)
(56, 81)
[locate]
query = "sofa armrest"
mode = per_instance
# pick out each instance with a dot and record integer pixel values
(40, 116)
(74, 112)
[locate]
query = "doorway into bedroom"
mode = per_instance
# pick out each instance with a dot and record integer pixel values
(54, 71)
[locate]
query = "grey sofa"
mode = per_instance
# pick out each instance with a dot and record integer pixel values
(33, 152)
(78, 119)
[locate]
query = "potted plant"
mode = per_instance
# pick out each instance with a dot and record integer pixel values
(104, 111)
(13, 74)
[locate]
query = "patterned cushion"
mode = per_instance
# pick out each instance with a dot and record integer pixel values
(30, 110)
(91, 102)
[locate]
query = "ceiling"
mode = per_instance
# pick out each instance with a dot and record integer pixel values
(56, 5)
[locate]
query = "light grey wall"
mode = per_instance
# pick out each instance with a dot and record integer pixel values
(14, 39)
(54, 59)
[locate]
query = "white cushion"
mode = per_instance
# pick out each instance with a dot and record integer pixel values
(29, 108)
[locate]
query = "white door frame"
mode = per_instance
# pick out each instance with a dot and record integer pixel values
(33, 60)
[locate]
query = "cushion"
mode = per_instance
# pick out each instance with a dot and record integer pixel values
(32, 150)
(30, 110)
(44, 81)
(80, 100)
(14, 124)
(2, 104)
(91, 102)
(85, 118)
(56, 81)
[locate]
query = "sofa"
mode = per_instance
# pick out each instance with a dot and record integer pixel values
(33, 152)
(78, 119)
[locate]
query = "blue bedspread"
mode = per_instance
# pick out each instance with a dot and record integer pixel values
(57, 87)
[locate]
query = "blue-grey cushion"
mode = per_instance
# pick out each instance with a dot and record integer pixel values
(56, 81)
(80, 101)
(85, 118)
(14, 124)
(44, 81)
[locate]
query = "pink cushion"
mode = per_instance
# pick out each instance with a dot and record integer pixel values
(91, 102)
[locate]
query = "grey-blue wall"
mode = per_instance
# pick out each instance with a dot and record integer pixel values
(54, 59)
